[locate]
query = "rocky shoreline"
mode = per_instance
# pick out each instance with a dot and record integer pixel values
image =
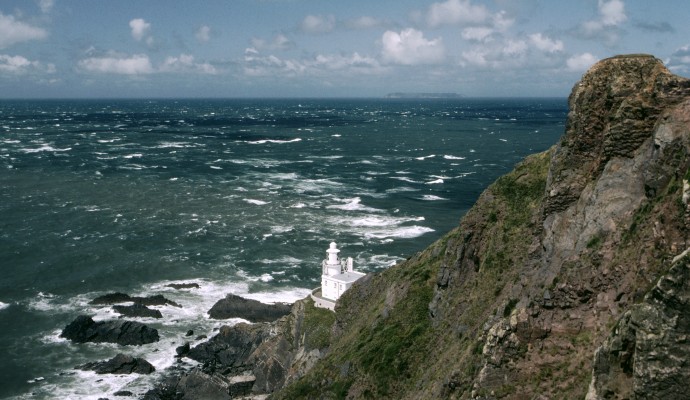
(226, 360)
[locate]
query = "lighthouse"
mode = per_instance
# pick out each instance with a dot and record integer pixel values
(337, 275)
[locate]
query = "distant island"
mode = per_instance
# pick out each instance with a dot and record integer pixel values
(403, 95)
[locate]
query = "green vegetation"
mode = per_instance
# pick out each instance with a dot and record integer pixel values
(317, 326)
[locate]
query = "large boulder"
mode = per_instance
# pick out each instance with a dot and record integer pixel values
(120, 364)
(116, 298)
(137, 310)
(84, 329)
(233, 306)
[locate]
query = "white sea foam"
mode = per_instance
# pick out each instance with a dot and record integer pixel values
(45, 147)
(449, 157)
(425, 157)
(353, 204)
(402, 232)
(215, 167)
(402, 189)
(3, 305)
(256, 202)
(431, 197)
(405, 179)
(435, 182)
(134, 155)
(264, 141)
(175, 145)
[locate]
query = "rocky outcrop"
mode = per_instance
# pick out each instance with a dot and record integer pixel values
(178, 286)
(137, 310)
(552, 257)
(84, 329)
(120, 364)
(233, 306)
(252, 358)
(116, 298)
(646, 355)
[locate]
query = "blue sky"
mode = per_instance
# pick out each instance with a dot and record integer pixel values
(326, 48)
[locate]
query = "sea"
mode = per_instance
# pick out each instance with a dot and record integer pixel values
(239, 196)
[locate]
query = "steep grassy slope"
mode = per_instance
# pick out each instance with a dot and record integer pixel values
(515, 301)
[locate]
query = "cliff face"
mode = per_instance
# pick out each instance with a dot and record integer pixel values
(569, 253)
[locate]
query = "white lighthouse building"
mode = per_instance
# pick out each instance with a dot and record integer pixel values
(337, 276)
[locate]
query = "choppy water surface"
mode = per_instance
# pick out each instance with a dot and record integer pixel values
(240, 196)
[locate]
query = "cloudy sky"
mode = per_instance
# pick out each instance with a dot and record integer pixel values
(324, 48)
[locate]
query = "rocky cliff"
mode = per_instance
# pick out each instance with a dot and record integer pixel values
(568, 256)
(563, 281)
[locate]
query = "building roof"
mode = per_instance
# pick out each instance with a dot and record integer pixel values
(346, 277)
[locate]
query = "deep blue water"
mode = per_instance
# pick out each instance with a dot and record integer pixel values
(239, 196)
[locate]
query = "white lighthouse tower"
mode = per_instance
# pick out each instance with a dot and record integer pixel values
(336, 277)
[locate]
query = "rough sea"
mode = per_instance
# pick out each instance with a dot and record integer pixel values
(239, 196)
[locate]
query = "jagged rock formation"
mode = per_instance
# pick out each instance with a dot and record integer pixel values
(233, 306)
(552, 259)
(84, 329)
(120, 364)
(252, 358)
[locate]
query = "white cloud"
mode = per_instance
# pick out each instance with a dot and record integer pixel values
(279, 42)
(679, 62)
(409, 47)
(611, 16)
(186, 63)
(456, 12)
(203, 34)
(581, 62)
(364, 22)
(20, 64)
(477, 33)
(515, 48)
(13, 31)
(612, 12)
(475, 57)
(320, 66)
(116, 64)
(318, 24)
(545, 43)
(46, 5)
(139, 28)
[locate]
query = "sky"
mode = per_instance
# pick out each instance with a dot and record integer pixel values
(325, 48)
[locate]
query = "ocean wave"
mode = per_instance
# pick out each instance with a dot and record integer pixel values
(435, 182)
(449, 157)
(431, 197)
(403, 232)
(256, 202)
(425, 157)
(3, 305)
(353, 204)
(44, 147)
(405, 179)
(276, 141)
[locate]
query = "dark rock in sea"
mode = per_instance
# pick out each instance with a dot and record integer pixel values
(192, 385)
(84, 329)
(111, 298)
(201, 337)
(182, 350)
(120, 364)
(179, 286)
(137, 310)
(237, 307)
(123, 393)
(229, 350)
(115, 298)
(189, 333)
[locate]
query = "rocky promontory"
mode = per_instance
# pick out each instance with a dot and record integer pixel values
(84, 329)
(233, 306)
(567, 279)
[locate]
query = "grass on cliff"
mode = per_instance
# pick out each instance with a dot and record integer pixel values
(317, 326)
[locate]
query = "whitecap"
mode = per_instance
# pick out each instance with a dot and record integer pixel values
(503, 140)
(264, 141)
(431, 197)
(266, 278)
(449, 157)
(435, 182)
(3, 305)
(256, 202)
(215, 167)
(45, 147)
(134, 155)
(353, 204)
(403, 232)
(405, 179)
(425, 157)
